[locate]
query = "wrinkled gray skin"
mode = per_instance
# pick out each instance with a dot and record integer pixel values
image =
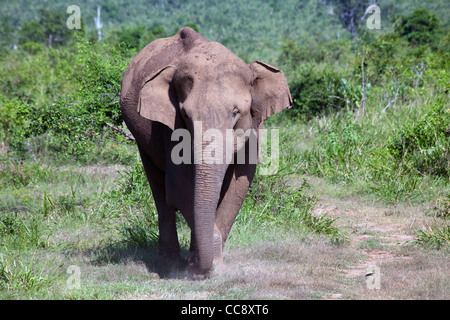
(170, 84)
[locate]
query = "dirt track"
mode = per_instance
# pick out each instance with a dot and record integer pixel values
(378, 261)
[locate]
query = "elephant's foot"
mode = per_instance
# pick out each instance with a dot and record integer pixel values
(219, 266)
(194, 270)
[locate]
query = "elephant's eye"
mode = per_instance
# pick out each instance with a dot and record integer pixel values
(235, 113)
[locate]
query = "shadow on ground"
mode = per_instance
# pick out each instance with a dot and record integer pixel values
(123, 253)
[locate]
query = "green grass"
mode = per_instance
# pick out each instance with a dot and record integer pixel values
(103, 219)
(105, 222)
(436, 236)
(33, 276)
(98, 217)
(363, 151)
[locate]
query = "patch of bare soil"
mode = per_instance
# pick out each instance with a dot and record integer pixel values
(377, 262)
(376, 239)
(387, 238)
(388, 266)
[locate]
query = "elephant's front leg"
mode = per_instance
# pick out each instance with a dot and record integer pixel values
(169, 247)
(236, 183)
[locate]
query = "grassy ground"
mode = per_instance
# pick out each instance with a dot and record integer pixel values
(273, 262)
(338, 221)
(66, 230)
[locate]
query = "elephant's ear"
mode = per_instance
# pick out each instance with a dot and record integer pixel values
(270, 92)
(157, 99)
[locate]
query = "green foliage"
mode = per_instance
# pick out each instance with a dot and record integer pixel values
(393, 168)
(349, 13)
(99, 80)
(49, 28)
(424, 146)
(132, 190)
(419, 28)
(273, 199)
(442, 207)
(390, 183)
(130, 36)
(318, 90)
(370, 115)
(436, 236)
(141, 232)
(32, 47)
(132, 187)
(16, 275)
(19, 234)
(17, 174)
(73, 123)
(338, 151)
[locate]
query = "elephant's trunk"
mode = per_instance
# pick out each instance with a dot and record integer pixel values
(208, 181)
(208, 184)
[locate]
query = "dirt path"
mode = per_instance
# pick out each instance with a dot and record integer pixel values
(373, 231)
(387, 261)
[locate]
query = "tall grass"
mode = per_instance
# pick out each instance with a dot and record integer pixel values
(277, 201)
(36, 275)
(436, 236)
(393, 163)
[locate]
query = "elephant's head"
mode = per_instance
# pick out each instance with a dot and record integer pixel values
(197, 81)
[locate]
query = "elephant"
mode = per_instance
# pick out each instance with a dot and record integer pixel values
(176, 83)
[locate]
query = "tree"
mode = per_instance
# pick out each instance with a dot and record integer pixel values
(50, 28)
(418, 28)
(130, 35)
(349, 13)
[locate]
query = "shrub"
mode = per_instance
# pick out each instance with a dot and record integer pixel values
(424, 146)
(99, 80)
(418, 28)
(75, 123)
(320, 90)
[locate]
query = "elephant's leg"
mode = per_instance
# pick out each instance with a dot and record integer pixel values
(169, 247)
(236, 183)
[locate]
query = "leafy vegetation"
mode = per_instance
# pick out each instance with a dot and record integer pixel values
(370, 113)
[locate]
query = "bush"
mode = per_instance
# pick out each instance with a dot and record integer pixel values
(418, 28)
(424, 146)
(99, 80)
(320, 90)
(75, 123)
